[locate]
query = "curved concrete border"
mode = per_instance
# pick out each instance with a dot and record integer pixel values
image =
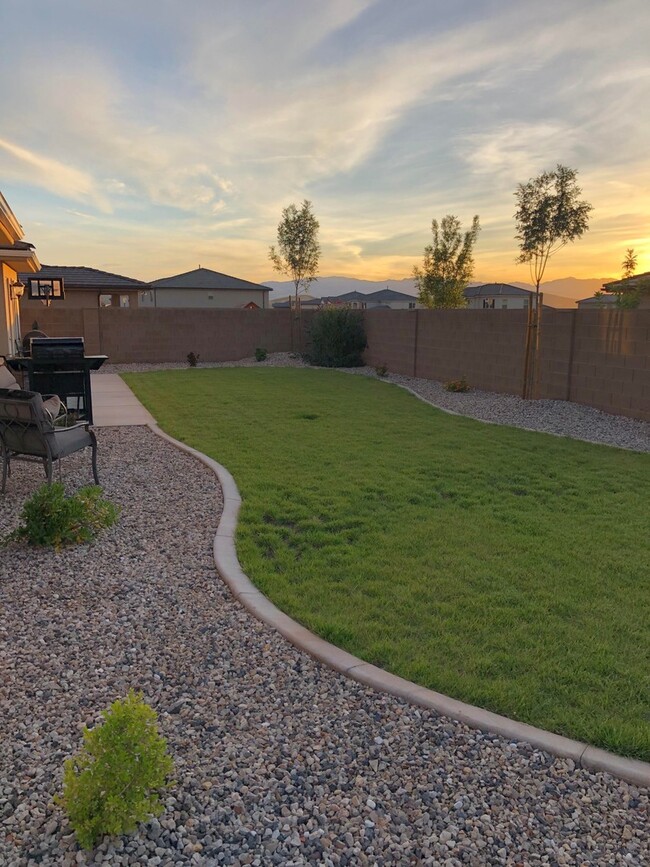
(242, 588)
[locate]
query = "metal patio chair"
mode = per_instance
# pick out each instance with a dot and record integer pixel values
(27, 433)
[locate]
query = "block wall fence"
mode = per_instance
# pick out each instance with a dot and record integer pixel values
(596, 357)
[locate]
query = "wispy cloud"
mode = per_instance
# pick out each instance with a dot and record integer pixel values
(38, 170)
(187, 130)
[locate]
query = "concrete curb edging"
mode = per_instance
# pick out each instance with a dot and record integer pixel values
(225, 557)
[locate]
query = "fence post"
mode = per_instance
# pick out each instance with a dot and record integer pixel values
(572, 342)
(415, 344)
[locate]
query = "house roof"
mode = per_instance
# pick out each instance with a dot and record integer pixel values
(598, 302)
(389, 295)
(80, 277)
(381, 295)
(630, 284)
(491, 289)
(205, 278)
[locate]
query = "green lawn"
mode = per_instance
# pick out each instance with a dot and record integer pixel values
(506, 568)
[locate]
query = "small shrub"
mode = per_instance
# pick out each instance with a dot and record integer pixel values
(193, 359)
(260, 354)
(381, 370)
(458, 385)
(338, 338)
(50, 518)
(113, 784)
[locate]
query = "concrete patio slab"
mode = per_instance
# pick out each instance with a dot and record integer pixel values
(114, 404)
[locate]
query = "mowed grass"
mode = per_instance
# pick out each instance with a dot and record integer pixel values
(505, 568)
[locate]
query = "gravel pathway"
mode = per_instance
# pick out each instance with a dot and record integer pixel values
(550, 416)
(278, 760)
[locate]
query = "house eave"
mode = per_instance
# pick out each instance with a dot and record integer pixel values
(20, 260)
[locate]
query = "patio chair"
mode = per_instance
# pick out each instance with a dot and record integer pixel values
(27, 433)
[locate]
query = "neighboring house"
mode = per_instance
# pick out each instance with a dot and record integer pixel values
(638, 284)
(205, 288)
(307, 301)
(16, 256)
(82, 287)
(383, 299)
(594, 303)
(503, 296)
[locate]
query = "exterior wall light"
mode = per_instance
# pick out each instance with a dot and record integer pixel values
(17, 290)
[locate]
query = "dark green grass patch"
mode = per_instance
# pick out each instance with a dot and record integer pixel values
(505, 568)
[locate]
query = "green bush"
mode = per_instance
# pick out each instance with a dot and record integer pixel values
(114, 782)
(193, 358)
(381, 370)
(338, 338)
(260, 354)
(50, 518)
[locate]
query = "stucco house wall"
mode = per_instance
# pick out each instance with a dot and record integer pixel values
(209, 298)
(15, 255)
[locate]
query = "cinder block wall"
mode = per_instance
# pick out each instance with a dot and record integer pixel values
(486, 347)
(596, 357)
(611, 361)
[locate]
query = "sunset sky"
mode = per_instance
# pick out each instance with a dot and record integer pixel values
(150, 136)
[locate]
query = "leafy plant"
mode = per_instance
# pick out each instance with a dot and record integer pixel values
(193, 359)
(260, 354)
(298, 250)
(50, 518)
(381, 370)
(338, 338)
(458, 385)
(448, 264)
(113, 784)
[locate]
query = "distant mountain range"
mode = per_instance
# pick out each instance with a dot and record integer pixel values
(566, 287)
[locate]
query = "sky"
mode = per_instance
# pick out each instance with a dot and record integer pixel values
(152, 136)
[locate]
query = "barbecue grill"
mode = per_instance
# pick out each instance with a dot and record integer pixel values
(59, 365)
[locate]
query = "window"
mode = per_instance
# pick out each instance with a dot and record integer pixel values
(105, 300)
(411, 305)
(125, 301)
(488, 303)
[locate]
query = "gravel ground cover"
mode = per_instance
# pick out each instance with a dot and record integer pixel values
(551, 416)
(278, 760)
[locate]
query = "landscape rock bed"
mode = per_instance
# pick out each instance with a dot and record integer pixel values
(558, 417)
(278, 759)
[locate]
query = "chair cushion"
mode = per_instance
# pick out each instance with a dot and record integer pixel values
(66, 440)
(7, 379)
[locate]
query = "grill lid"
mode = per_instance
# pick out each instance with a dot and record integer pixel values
(57, 347)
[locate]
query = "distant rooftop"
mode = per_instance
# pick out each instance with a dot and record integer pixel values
(491, 290)
(205, 278)
(80, 277)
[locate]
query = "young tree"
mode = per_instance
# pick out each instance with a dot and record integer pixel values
(628, 298)
(448, 264)
(298, 250)
(549, 216)
(629, 263)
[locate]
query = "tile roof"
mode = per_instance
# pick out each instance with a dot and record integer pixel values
(80, 277)
(205, 278)
(492, 289)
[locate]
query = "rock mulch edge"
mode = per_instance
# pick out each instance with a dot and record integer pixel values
(256, 603)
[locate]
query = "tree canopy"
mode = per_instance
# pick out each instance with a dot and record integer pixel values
(629, 263)
(298, 251)
(448, 264)
(549, 216)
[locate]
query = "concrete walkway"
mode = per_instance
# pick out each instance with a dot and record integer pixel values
(114, 404)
